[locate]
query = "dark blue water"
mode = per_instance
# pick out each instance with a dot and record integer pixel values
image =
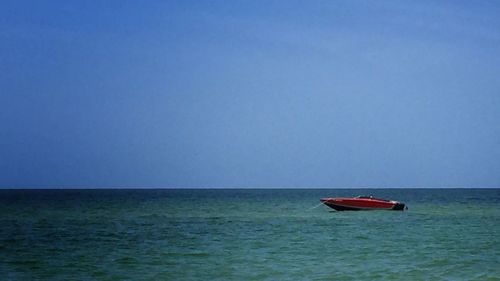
(247, 234)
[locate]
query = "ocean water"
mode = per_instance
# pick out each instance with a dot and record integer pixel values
(247, 234)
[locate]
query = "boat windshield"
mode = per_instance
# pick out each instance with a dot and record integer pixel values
(371, 197)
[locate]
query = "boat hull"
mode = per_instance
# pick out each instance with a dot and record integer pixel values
(359, 204)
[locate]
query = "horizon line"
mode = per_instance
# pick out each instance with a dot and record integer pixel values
(257, 187)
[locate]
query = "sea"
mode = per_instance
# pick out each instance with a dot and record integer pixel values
(247, 234)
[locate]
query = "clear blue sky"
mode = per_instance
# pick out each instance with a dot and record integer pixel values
(249, 93)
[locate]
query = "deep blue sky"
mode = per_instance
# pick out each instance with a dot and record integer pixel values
(249, 93)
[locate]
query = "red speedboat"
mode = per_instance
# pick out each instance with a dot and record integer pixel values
(362, 203)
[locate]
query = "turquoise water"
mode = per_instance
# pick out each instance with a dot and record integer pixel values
(247, 234)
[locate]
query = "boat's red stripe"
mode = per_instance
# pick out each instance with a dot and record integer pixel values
(359, 207)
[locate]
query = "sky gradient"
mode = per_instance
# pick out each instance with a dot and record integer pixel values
(249, 94)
